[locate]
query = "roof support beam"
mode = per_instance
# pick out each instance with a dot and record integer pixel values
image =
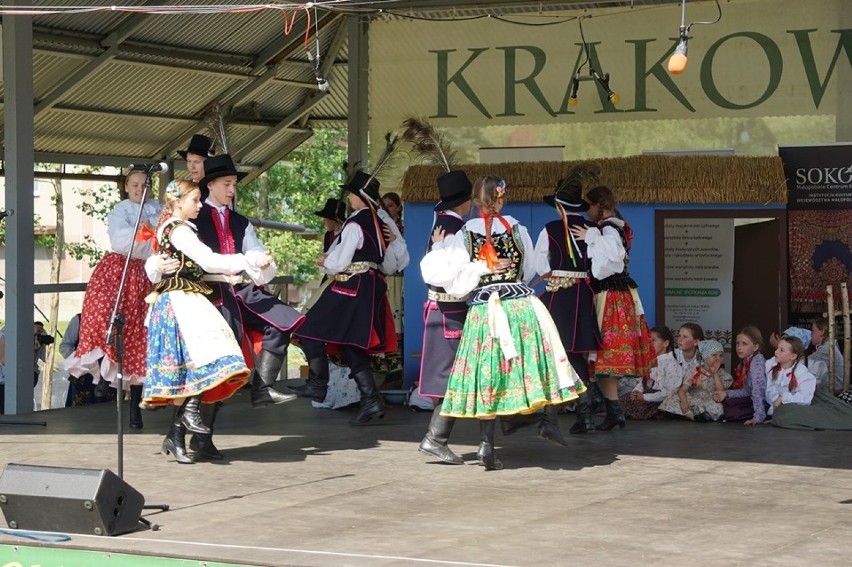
(238, 93)
(285, 124)
(18, 140)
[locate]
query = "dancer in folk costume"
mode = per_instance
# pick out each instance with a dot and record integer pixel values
(626, 347)
(352, 316)
(443, 320)
(443, 313)
(245, 305)
(93, 355)
(563, 260)
(192, 354)
(333, 215)
(200, 148)
(510, 358)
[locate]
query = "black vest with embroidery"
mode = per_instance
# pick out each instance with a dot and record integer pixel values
(207, 231)
(560, 258)
(371, 251)
(451, 225)
(622, 281)
(189, 274)
(508, 246)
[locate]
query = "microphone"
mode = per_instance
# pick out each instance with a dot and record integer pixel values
(575, 86)
(322, 83)
(150, 167)
(6, 213)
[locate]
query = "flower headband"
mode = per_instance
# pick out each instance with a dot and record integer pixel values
(501, 189)
(177, 189)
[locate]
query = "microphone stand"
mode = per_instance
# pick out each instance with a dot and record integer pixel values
(115, 333)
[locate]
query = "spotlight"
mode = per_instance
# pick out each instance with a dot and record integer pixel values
(677, 62)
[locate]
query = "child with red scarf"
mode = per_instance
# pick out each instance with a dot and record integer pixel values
(694, 399)
(744, 400)
(788, 380)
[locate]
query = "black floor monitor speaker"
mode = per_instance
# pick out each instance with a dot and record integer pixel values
(58, 499)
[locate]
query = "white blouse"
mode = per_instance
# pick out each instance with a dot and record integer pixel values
(120, 223)
(666, 376)
(605, 250)
(450, 266)
(542, 251)
(186, 240)
(780, 387)
(352, 238)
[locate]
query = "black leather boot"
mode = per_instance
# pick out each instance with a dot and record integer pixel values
(202, 443)
(135, 410)
(265, 374)
(585, 423)
(102, 389)
(510, 424)
(487, 456)
(435, 441)
(191, 416)
(316, 386)
(614, 416)
(549, 427)
(371, 402)
(174, 442)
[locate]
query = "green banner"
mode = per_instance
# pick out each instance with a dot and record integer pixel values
(23, 556)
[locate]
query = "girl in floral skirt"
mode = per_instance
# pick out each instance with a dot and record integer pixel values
(510, 358)
(193, 357)
(626, 348)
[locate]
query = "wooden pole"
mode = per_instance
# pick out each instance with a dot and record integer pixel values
(847, 339)
(831, 338)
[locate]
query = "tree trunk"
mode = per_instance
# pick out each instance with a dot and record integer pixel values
(263, 197)
(55, 267)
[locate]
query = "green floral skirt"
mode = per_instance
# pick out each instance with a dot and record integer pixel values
(484, 384)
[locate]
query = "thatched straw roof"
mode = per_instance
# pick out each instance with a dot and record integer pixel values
(635, 179)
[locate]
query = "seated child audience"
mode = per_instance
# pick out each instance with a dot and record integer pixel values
(694, 399)
(688, 337)
(666, 377)
(788, 379)
(819, 352)
(745, 399)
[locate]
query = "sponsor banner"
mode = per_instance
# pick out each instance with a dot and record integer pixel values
(818, 177)
(699, 274)
(819, 224)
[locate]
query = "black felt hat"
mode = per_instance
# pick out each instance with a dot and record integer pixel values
(454, 188)
(334, 210)
(569, 194)
(361, 181)
(216, 167)
(199, 145)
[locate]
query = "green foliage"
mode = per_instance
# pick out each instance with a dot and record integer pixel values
(45, 240)
(98, 208)
(297, 188)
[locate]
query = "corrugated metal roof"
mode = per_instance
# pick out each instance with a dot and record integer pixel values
(146, 97)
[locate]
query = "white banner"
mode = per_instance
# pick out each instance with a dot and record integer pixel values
(699, 274)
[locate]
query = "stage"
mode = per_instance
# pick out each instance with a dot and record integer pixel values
(302, 487)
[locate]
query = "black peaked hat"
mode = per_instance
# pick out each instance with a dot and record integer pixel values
(199, 145)
(454, 189)
(216, 167)
(334, 210)
(569, 194)
(361, 180)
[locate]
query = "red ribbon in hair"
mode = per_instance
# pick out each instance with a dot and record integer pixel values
(488, 253)
(793, 382)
